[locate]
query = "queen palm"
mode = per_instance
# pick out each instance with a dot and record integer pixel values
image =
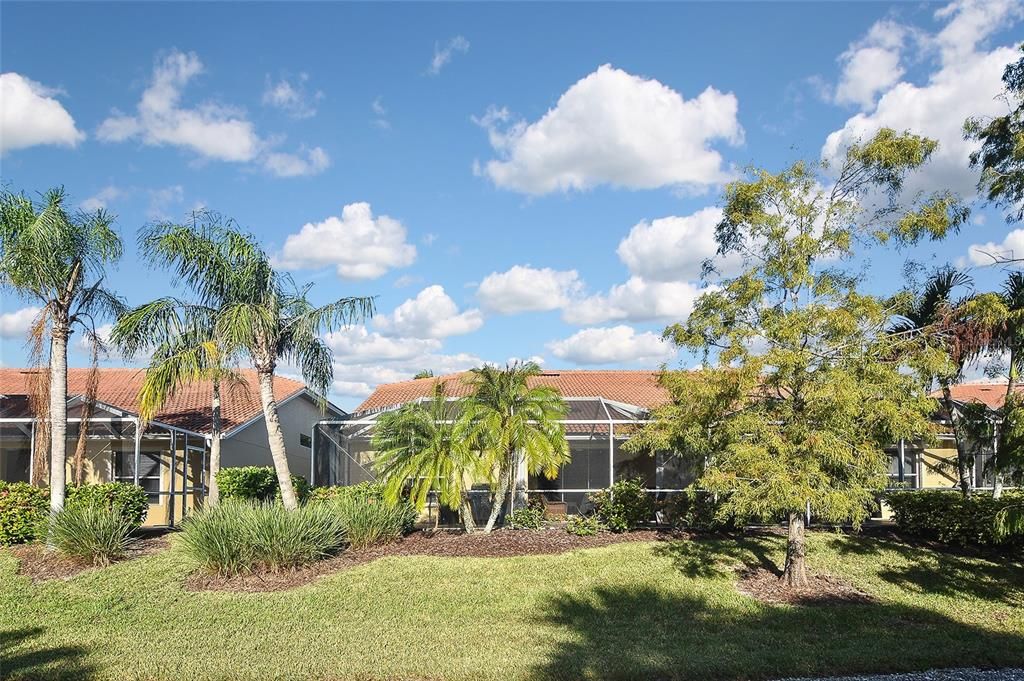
(1010, 339)
(260, 314)
(423, 445)
(181, 335)
(57, 260)
(510, 421)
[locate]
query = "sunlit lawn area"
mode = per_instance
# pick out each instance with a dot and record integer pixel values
(640, 610)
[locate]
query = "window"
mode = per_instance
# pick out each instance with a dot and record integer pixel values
(305, 440)
(149, 471)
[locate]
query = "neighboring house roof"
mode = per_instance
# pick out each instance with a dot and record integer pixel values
(991, 395)
(638, 388)
(188, 409)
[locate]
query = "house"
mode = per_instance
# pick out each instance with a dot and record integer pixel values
(605, 408)
(169, 458)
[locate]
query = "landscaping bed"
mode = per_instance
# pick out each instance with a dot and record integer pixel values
(443, 544)
(40, 565)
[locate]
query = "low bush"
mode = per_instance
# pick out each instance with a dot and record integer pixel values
(583, 526)
(124, 498)
(239, 536)
(366, 492)
(949, 517)
(624, 506)
(256, 483)
(369, 521)
(22, 509)
(91, 532)
(696, 510)
(529, 517)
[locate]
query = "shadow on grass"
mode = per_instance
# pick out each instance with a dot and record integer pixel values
(948, 572)
(35, 661)
(649, 634)
(717, 557)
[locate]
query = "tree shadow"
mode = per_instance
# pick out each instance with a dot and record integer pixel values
(942, 570)
(33, 659)
(720, 557)
(647, 633)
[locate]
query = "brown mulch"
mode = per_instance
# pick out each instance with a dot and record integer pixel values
(443, 544)
(40, 565)
(822, 589)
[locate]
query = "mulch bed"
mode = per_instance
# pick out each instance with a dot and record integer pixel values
(822, 589)
(444, 544)
(40, 565)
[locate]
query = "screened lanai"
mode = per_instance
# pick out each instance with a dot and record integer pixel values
(596, 430)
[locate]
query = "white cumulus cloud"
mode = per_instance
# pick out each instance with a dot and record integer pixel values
(966, 82)
(872, 64)
(612, 345)
(636, 300)
(30, 115)
(444, 53)
(307, 162)
(431, 314)
(614, 128)
(101, 199)
(358, 244)
(524, 289)
(674, 248)
(17, 324)
(1011, 248)
(358, 344)
(291, 96)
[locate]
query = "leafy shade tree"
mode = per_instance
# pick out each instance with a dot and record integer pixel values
(426, 373)
(260, 314)
(509, 422)
(181, 335)
(1001, 156)
(801, 422)
(58, 259)
(423, 446)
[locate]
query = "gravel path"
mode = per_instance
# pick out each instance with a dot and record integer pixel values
(932, 675)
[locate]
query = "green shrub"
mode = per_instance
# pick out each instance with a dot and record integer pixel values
(256, 483)
(624, 506)
(583, 526)
(129, 500)
(92, 533)
(366, 492)
(696, 510)
(22, 509)
(948, 517)
(240, 536)
(368, 520)
(527, 518)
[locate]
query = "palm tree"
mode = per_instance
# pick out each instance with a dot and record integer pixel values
(424, 446)
(951, 338)
(511, 421)
(182, 335)
(262, 314)
(1010, 338)
(50, 256)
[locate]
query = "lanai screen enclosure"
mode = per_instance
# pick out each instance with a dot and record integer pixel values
(596, 429)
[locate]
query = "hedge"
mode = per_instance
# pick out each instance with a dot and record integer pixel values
(129, 500)
(951, 518)
(256, 483)
(22, 509)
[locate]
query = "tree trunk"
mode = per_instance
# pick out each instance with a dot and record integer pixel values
(276, 440)
(213, 496)
(1011, 384)
(795, 572)
(58, 416)
(499, 497)
(963, 464)
(466, 513)
(83, 442)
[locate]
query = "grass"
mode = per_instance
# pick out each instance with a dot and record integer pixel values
(636, 610)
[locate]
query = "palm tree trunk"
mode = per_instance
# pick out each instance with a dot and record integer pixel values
(962, 464)
(499, 497)
(83, 442)
(795, 572)
(1011, 385)
(213, 496)
(276, 440)
(58, 416)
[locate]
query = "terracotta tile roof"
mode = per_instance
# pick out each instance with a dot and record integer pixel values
(991, 394)
(189, 408)
(639, 388)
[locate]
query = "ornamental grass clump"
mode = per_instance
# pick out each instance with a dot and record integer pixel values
(90, 533)
(369, 521)
(237, 537)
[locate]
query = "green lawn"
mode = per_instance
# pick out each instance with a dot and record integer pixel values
(644, 610)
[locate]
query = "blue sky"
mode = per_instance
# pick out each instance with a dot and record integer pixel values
(511, 180)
